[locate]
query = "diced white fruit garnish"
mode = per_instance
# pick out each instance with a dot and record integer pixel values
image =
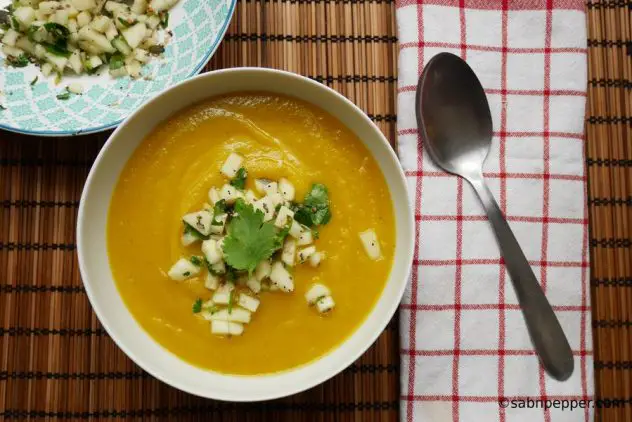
(286, 189)
(219, 228)
(61, 17)
(48, 7)
(47, 69)
(284, 216)
(296, 230)
(25, 44)
(213, 195)
(219, 268)
(250, 197)
(220, 246)
(84, 4)
(118, 73)
(134, 34)
(211, 251)
(266, 207)
(371, 244)
(101, 23)
(232, 165)
(113, 6)
(325, 304)
(12, 51)
(111, 32)
(316, 292)
(188, 238)
(83, 19)
(58, 61)
(305, 254)
(234, 315)
(75, 87)
(289, 251)
(139, 7)
(229, 193)
(263, 270)
(10, 37)
(305, 238)
(227, 328)
(75, 64)
(133, 69)
(316, 258)
(24, 15)
(97, 40)
(160, 5)
(254, 285)
(248, 302)
(222, 295)
(276, 199)
(281, 278)
(183, 269)
(212, 281)
(200, 221)
(141, 55)
(266, 186)
(153, 21)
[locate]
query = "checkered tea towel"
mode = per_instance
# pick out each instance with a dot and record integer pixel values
(465, 351)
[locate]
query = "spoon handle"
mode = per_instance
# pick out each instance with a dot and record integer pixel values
(544, 328)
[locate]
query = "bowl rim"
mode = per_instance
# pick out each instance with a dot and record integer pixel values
(97, 129)
(344, 361)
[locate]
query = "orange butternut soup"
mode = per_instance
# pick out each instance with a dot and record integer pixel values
(170, 174)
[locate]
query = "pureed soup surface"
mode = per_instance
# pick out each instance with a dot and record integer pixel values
(170, 174)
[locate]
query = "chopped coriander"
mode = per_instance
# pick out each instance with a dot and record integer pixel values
(15, 23)
(117, 61)
(250, 240)
(220, 207)
(186, 273)
(56, 49)
(315, 234)
(57, 31)
(239, 181)
(30, 33)
(125, 23)
(196, 260)
(20, 61)
(34, 81)
(231, 301)
(231, 274)
(189, 229)
(197, 306)
(315, 209)
(164, 19)
(63, 96)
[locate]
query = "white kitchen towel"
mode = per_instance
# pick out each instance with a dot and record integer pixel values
(465, 351)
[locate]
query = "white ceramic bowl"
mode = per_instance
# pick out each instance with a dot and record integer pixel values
(95, 268)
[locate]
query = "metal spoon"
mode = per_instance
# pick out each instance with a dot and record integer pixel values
(456, 126)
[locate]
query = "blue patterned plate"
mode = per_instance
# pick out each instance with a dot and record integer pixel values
(198, 27)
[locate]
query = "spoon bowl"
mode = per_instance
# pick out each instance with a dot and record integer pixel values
(456, 126)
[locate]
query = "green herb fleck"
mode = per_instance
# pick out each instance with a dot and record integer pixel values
(239, 181)
(196, 260)
(231, 274)
(117, 61)
(30, 33)
(220, 207)
(197, 306)
(56, 49)
(250, 240)
(315, 234)
(125, 23)
(189, 229)
(20, 61)
(59, 32)
(34, 81)
(63, 96)
(315, 209)
(15, 23)
(186, 273)
(231, 301)
(164, 19)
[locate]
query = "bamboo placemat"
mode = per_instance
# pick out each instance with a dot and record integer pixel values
(56, 361)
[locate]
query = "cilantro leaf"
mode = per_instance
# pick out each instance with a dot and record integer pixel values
(315, 209)
(220, 207)
(249, 239)
(196, 260)
(20, 61)
(197, 306)
(239, 181)
(189, 229)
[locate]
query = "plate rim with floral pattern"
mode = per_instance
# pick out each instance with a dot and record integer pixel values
(79, 131)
